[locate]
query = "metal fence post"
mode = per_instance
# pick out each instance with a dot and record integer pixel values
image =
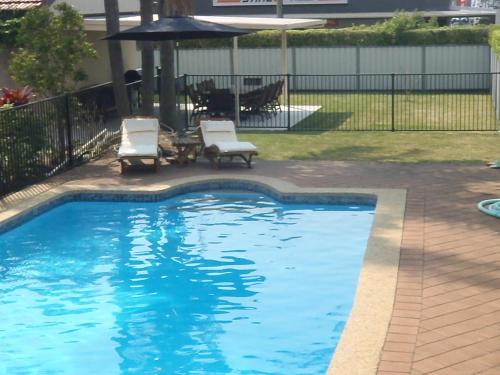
(393, 109)
(289, 118)
(186, 114)
(69, 139)
(158, 80)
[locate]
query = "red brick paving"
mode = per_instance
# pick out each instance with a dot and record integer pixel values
(446, 313)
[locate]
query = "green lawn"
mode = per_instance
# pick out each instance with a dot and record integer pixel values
(412, 111)
(405, 147)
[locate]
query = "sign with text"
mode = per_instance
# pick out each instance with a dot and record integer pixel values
(219, 3)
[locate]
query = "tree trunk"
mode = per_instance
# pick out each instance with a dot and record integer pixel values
(116, 58)
(148, 62)
(168, 110)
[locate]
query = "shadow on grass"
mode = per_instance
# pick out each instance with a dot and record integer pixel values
(323, 121)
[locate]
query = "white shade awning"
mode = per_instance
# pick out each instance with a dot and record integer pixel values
(253, 23)
(263, 23)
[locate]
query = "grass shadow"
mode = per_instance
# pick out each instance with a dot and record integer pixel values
(323, 121)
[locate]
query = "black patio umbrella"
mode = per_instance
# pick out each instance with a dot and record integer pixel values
(178, 28)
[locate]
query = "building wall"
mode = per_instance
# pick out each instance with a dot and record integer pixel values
(205, 7)
(99, 70)
(97, 6)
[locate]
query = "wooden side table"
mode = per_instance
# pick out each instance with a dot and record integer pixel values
(187, 149)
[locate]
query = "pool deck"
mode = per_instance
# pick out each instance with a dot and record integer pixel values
(446, 311)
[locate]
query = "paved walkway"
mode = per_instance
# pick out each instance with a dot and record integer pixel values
(446, 317)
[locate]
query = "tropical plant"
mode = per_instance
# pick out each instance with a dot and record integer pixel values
(51, 47)
(15, 97)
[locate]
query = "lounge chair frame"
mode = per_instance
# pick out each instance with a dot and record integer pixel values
(215, 155)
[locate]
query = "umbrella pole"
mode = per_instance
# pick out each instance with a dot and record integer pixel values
(284, 63)
(235, 71)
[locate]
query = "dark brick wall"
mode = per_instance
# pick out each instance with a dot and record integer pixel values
(205, 7)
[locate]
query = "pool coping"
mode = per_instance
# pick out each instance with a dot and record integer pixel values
(359, 349)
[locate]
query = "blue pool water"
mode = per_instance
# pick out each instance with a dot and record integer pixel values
(203, 283)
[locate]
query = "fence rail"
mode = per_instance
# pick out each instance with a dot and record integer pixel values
(49, 136)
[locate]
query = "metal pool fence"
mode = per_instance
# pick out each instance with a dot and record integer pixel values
(43, 138)
(40, 139)
(366, 102)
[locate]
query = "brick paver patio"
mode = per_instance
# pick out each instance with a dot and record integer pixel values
(446, 314)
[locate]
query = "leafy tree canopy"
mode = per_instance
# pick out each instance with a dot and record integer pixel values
(52, 46)
(9, 29)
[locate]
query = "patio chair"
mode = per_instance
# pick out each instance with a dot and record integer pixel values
(220, 141)
(198, 100)
(275, 100)
(263, 108)
(139, 141)
(206, 86)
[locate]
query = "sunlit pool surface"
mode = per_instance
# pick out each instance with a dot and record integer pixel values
(203, 283)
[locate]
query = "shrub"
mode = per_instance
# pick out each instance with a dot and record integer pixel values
(24, 137)
(495, 40)
(15, 97)
(354, 36)
(9, 30)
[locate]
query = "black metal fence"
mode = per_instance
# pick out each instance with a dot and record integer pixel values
(43, 138)
(390, 102)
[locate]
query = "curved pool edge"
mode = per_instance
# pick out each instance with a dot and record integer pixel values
(361, 343)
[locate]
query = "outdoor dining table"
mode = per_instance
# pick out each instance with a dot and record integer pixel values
(220, 101)
(223, 100)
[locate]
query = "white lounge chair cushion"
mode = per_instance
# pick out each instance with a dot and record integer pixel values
(232, 147)
(139, 138)
(132, 125)
(223, 135)
(218, 131)
(138, 150)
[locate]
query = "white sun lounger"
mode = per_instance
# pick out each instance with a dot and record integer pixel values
(140, 139)
(220, 140)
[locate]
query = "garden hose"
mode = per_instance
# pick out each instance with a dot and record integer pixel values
(490, 207)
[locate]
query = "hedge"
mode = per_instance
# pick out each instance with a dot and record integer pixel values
(495, 40)
(356, 36)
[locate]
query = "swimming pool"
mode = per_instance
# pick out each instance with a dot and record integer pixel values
(203, 283)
